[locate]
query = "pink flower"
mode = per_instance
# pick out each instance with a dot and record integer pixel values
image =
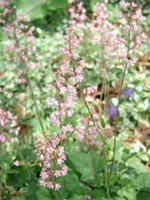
(57, 186)
(57, 173)
(138, 15)
(90, 90)
(88, 197)
(3, 3)
(51, 102)
(64, 170)
(46, 164)
(67, 128)
(16, 163)
(80, 133)
(52, 185)
(61, 159)
(51, 153)
(2, 138)
(6, 11)
(43, 182)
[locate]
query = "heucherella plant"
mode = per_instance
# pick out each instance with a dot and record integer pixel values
(51, 151)
(69, 121)
(20, 42)
(51, 157)
(8, 135)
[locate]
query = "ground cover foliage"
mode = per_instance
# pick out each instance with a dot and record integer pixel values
(74, 100)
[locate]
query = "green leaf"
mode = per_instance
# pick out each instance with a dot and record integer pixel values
(86, 163)
(27, 5)
(93, 2)
(38, 13)
(102, 122)
(143, 195)
(143, 182)
(115, 70)
(127, 193)
(57, 4)
(18, 176)
(18, 198)
(77, 197)
(136, 164)
(35, 9)
(42, 193)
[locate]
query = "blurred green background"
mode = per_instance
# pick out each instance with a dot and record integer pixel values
(49, 14)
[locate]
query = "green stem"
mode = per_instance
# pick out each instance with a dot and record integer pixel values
(106, 174)
(96, 126)
(54, 178)
(55, 195)
(94, 167)
(1, 171)
(65, 186)
(35, 103)
(119, 95)
(102, 139)
(104, 153)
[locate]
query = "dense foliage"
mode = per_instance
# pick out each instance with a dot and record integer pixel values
(74, 100)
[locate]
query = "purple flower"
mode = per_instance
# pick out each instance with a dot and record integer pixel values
(112, 111)
(127, 92)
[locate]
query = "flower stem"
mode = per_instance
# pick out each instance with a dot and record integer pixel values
(102, 138)
(106, 174)
(119, 95)
(35, 103)
(1, 170)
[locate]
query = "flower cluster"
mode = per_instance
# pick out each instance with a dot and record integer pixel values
(67, 77)
(89, 90)
(5, 11)
(110, 44)
(19, 42)
(6, 118)
(51, 156)
(129, 17)
(77, 15)
(129, 40)
(7, 122)
(103, 34)
(2, 138)
(86, 131)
